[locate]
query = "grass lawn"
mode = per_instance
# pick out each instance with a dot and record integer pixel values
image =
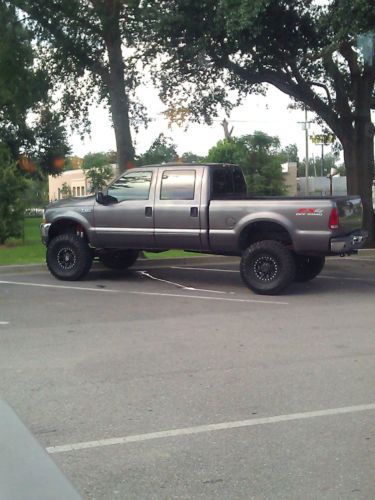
(32, 251)
(27, 251)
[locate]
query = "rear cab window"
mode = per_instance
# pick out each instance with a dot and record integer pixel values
(227, 182)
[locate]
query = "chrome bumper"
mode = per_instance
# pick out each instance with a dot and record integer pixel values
(44, 228)
(350, 243)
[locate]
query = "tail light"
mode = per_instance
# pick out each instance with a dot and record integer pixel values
(334, 219)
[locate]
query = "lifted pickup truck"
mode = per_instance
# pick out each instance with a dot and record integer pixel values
(203, 208)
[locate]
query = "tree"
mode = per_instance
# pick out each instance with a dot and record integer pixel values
(290, 153)
(259, 156)
(321, 55)
(12, 188)
(98, 170)
(82, 44)
(316, 168)
(190, 157)
(25, 91)
(162, 150)
(65, 191)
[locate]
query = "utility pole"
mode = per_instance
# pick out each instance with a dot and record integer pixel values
(305, 127)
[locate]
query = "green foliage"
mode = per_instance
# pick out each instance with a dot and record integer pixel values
(51, 142)
(25, 89)
(290, 153)
(260, 157)
(98, 170)
(315, 166)
(162, 150)
(36, 193)
(190, 157)
(12, 203)
(82, 45)
(65, 191)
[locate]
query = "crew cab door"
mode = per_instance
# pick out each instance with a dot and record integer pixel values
(177, 208)
(130, 222)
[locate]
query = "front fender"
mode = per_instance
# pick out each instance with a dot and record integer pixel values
(76, 218)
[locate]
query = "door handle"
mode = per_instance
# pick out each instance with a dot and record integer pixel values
(148, 211)
(194, 212)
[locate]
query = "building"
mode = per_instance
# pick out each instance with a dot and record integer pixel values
(70, 183)
(290, 177)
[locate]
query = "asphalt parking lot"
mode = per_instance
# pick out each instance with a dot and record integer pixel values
(173, 380)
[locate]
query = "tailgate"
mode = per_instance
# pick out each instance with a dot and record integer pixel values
(350, 212)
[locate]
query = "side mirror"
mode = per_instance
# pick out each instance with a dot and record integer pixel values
(105, 199)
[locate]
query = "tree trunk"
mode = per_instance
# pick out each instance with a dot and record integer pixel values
(119, 102)
(359, 164)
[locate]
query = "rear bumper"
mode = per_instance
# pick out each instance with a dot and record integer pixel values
(44, 228)
(348, 244)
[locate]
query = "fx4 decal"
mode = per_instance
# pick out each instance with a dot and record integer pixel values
(315, 212)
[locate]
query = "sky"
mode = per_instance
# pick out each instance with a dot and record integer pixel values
(269, 114)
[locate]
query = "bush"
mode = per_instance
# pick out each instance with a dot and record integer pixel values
(12, 189)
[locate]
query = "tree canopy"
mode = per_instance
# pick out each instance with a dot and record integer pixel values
(162, 150)
(321, 55)
(98, 169)
(89, 49)
(25, 89)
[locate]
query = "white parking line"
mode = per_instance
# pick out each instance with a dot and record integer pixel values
(205, 269)
(152, 294)
(43, 285)
(233, 271)
(208, 428)
(4, 322)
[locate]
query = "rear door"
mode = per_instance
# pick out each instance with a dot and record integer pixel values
(177, 208)
(130, 222)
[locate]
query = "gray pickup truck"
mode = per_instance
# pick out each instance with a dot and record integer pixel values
(202, 208)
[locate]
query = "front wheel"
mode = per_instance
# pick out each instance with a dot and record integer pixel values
(307, 268)
(267, 267)
(69, 257)
(119, 259)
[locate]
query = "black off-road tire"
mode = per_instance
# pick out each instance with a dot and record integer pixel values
(307, 268)
(119, 259)
(267, 267)
(69, 257)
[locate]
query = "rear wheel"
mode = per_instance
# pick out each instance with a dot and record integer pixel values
(119, 259)
(307, 268)
(267, 267)
(69, 257)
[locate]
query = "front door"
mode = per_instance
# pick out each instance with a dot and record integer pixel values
(130, 222)
(177, 208)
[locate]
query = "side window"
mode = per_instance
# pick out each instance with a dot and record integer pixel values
(178, 185)
(132, 186)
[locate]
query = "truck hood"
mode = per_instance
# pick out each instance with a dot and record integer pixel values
(72, 202)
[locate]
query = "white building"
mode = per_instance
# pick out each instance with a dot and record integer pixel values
(75, 180)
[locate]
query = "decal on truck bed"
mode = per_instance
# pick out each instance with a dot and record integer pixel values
(317, 212)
